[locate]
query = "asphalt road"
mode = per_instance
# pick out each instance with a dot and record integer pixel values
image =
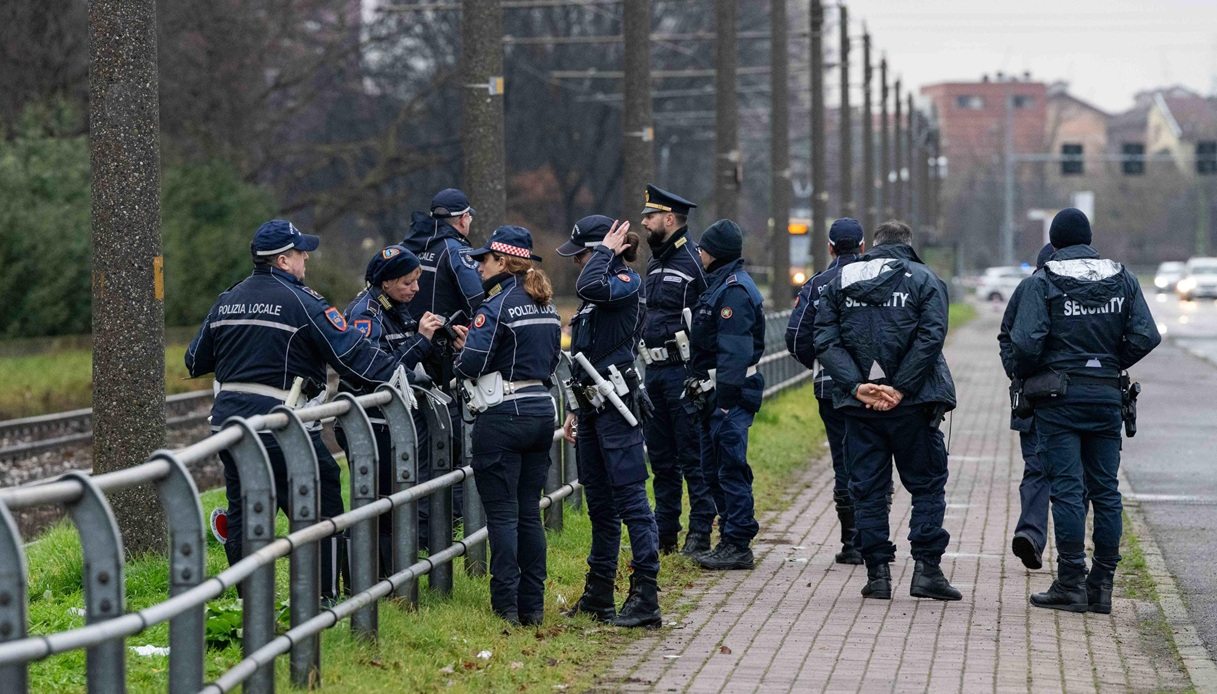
(1172, 462)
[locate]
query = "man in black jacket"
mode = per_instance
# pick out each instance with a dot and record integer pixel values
(1080, 321)
(879, 332)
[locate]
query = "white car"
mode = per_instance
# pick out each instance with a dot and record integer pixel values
(1168, 275)
(998, 283)
(1199, 279)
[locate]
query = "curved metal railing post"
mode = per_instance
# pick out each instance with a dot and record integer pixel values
(179, 499)
(13, 618)
(102, 546)
(303, 507)
(405, 475)
(362, 461)
(554, 477)
(439, 523)
(475, 513)
(258, 529)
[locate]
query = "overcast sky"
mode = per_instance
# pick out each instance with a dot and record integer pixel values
(1105, 49)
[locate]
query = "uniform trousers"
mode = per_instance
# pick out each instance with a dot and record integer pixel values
(674, 449)
(724, 447)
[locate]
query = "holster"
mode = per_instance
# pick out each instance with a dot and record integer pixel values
(1020, 404)
(1129, 392)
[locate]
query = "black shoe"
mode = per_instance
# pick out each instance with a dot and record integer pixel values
(928, 582)
(1024, 548)
(696, 544)
(597, 599)
(848, 555)
(727, 556)
(878, 582)
(511, 618)
(1098, 591)
(641, 606)
(532, 619)
(1070, 598)
(667, 544)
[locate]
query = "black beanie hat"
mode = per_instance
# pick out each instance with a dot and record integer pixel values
(1044, 256)
(1069, 228)
(723, 239)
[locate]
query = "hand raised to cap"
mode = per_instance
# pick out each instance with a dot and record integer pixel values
(615, 239)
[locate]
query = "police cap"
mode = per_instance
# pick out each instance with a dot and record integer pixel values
(587, 234)
(450, 202)
(845, 233)
(660, 200)
(280, 236)
(508, 240)
(389, 263)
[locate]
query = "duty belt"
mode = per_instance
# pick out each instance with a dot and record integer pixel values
(255, 389)
(510, 387)
(1088, 380)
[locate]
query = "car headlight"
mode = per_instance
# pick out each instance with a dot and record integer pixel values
(1186, 284)
(1160, 282)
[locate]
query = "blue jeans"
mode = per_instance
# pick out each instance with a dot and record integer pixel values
(1079, 445)
(614, 477)
(510, 462)
(724, 449)
(674, 449)
(871, 444)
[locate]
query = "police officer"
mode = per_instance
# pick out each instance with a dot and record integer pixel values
(1031, 531)
(1080, 321)
(608, 448)
(845, 244)
(728, 339)
(508, 360)
(674, 281)
(879, 332)
(379, 312)
(259, 336)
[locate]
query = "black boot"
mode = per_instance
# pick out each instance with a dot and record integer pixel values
(597, 599)
(1024, 548)
(1098, 590)
(667, 544)
(928, 582)
(1066, 593)
(878, 582)
(641, 607)
(696, 544)
(849, 553)
(727, 556)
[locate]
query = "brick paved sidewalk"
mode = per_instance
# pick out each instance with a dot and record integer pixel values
(798, 623)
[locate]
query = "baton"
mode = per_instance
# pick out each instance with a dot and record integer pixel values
(606, 389)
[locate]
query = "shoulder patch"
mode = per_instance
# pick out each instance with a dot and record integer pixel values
(726, 312)
(732, 279)
(334, 316)
(624, 277)
(480, 320)
(468, 262)
(364, 325)
(313, 293)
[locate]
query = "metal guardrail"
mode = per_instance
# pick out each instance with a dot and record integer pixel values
(107, 624)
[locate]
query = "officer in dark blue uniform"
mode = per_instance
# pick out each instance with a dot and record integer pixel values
(609, 449)
(1031, 531)
(508, 362)
(1080, 321)
(845, 244)
(728, 340)
(262, 334)
(379, 312)
(674, 281)
(879, 331)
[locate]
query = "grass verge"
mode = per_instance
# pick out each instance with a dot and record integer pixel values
(63, 380)
(437, 646)
(960, 314)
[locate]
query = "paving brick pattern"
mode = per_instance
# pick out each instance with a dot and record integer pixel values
(798, 623)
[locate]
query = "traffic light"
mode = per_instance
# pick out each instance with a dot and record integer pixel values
(1071, 160)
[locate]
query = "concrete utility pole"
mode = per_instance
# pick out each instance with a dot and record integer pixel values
(482, 149)
(639, 136)
(1007, 227)
(885, 151)
(898, 160)
(847, 149)
(779, 181)
(819, 196)
(868, 139)
(128, 280)
(726, 114)
(910, 191)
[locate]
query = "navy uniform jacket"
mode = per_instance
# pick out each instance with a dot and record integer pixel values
(270, 328)
(389, 326)
(608, 322)
(517, 337)
(675, 279)
(800, 331)
(729, 336)
(1084, 314)
(1005, 348)
(884, 320)
(450, 281)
